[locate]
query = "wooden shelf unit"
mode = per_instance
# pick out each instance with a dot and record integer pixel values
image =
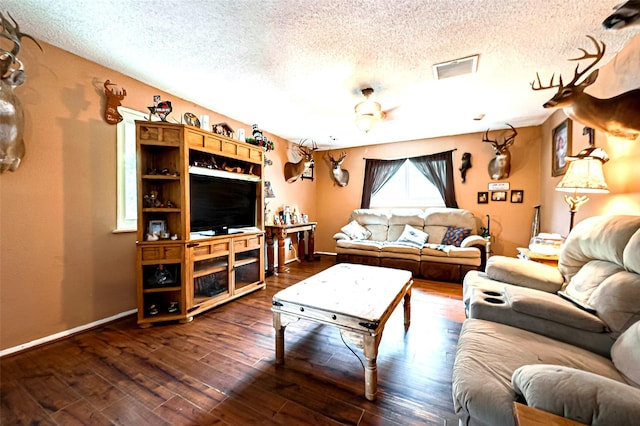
(179, 277)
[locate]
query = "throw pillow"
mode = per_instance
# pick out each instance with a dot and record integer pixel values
(454, 236)
(413, 236)
(355, 231)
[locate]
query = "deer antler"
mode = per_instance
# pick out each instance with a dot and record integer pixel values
(600, 49)
(541, 87)
(12, 33)
(511, 139)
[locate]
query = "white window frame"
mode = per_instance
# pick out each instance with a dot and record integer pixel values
(414, 182)
(127, 184)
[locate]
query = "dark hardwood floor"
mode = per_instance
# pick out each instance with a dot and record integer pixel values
(219, 369)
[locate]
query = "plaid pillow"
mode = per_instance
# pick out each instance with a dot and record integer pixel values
(454, 236)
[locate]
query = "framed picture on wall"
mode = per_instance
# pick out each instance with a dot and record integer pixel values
(560, 147)
(499, 196)
(483, 197)
(308, 173)
(517, 196)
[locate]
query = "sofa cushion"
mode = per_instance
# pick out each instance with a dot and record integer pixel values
(578, 395)
(625, 354)
(487, 355)
(539, 304)
(524, 273)
(617, 301)
(454, 235)
(355, 231)
(413, 236)
(598, 237)
(376, 221)
(588, 278)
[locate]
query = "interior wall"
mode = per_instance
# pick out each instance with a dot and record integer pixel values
(61, 264)
(510, 222)
(621, 172)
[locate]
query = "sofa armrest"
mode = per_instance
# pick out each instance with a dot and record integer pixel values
(524, 273)
(340, 236)
(473, 241)
(578, 395)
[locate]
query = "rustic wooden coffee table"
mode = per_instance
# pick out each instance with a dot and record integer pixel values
(358, 299)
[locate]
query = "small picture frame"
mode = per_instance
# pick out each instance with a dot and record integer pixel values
(517, 196)
(308, 172)
(499, 196)
(560, 147)
(157, 227)
(483, 197)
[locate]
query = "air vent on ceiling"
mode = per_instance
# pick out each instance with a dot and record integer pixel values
(455, 68)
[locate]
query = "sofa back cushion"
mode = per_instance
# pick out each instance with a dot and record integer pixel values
(376, 221)
(601, 238)
(438, 219)
(401, 217)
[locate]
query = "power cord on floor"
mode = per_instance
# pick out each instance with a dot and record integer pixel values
(352, 351)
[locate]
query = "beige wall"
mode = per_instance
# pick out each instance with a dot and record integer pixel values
(510, 222)
(61, 266)
(622, 171)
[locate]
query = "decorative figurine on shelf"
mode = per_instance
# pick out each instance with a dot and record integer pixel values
(151, 200)
(162, 108)
(223, 129)
(111, 114)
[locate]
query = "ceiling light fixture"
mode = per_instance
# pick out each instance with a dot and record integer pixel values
(368, 113)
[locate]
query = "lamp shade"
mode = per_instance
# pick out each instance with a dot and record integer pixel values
(584, 175)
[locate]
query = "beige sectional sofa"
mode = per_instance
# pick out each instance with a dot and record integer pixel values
(451, 249)
(564, 340)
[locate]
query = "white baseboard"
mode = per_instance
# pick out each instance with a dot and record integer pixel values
(63, 334)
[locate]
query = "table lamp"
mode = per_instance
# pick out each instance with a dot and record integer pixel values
(584, 175)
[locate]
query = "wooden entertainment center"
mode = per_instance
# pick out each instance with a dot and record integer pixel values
(181, 273)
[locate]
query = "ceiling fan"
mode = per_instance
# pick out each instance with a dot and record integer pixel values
(368, 113)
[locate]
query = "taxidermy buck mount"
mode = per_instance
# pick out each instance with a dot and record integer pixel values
(293, 171)
(340, 176)
(617, 116)
(111, 114)
(500, 165)
(12, 147)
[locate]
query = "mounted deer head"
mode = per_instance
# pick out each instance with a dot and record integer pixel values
(111, 114)
(340, 176)
(293, 171)
(618, 116)
(12, 147)
(500, 165)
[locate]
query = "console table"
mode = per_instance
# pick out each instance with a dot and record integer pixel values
(280, 232)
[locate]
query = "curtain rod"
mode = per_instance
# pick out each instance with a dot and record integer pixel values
(406, 158)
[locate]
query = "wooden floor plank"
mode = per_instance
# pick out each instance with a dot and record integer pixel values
(219, 369)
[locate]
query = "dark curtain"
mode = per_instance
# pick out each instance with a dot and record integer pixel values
(438, 168)
(376, 174)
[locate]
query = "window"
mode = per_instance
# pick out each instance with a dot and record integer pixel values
(407, 188)
(127, 200)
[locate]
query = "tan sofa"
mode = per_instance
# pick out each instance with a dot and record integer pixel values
(380, 241)
(564, 340)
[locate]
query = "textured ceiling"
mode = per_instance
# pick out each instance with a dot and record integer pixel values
(296, 67)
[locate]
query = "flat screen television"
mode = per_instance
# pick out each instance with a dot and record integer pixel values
(219, 204)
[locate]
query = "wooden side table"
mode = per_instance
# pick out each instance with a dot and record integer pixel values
(547, 259)
(530, 416)
(279, 233)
